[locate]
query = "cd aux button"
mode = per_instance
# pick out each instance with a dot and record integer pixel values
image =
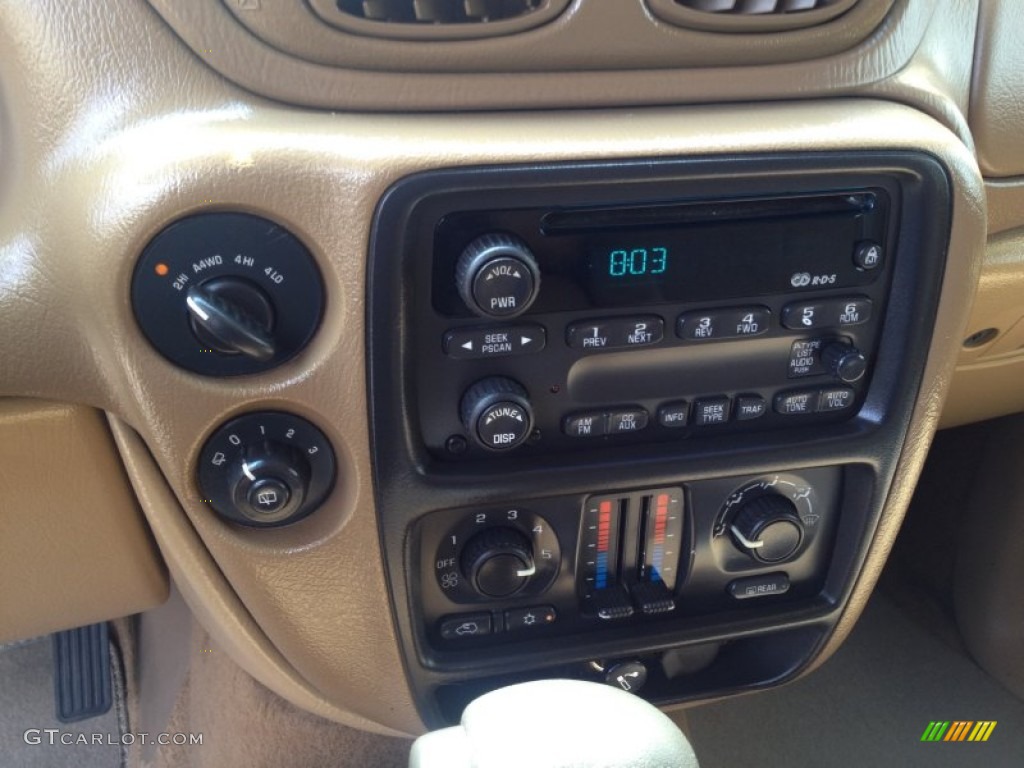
(736, 323)
(627, 420)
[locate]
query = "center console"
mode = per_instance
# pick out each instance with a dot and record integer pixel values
(636, 421)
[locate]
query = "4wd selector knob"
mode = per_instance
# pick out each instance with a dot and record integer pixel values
(768, 528)
(498, 562)
(497, 276)
(497, 413)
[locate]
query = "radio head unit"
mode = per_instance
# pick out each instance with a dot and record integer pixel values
(675, 252)
(562, 321)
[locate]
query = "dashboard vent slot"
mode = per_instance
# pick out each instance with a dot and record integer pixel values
(755, 6)
(439, 11)
(437, 19)
(753, 15)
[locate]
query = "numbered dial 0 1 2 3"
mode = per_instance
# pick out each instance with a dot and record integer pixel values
(496, 554)
(266, 469)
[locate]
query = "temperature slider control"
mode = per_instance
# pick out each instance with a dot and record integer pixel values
(630, 548)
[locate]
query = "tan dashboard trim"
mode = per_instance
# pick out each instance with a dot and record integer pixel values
(530, 71)
(74, 546)
(108, 155)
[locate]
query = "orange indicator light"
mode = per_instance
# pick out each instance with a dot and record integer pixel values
(161, 269)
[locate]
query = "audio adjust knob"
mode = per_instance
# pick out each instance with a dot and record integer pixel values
(497, 276)
(497, 413)
(768, 528)
(232, 316)
(844, 361)
(498, 562)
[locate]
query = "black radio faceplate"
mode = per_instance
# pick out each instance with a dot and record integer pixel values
(659, 319)
(717, 419)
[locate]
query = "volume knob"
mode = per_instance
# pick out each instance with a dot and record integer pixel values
(497, 276)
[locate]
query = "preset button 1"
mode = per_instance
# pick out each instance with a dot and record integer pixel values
(615, 333)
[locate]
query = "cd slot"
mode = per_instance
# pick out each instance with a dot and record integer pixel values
(675, 214)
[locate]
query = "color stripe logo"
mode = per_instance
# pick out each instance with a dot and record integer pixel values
(958, 730)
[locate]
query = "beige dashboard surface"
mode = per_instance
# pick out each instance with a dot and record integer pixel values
(74, 547)
(112, 129)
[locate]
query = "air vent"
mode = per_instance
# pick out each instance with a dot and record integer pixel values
(755, 6)
(751, 15)
(438, 19)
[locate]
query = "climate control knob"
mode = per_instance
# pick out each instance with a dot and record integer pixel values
(768, 528)
(497, 413)
(498, 562)
(497, 276)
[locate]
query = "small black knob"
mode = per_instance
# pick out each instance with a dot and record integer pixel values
(498, 562)
(844, 361)
(232, 316)
(497, 413)
(768, 528)
(497, 276)
(270, 482)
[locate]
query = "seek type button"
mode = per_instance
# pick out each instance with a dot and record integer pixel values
(714, 324)
(711, 410)
(616, 333)
(465, 626)
(530, 618)
(475, 343)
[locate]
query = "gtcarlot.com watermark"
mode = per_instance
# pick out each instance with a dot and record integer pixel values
(54, 736)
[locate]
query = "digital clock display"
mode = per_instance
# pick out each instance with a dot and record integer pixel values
(637, 263)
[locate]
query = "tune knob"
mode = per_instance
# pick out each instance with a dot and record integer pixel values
(497, 276)
(768, 528)
(498, 562)
(497, 413)
(844, 361)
